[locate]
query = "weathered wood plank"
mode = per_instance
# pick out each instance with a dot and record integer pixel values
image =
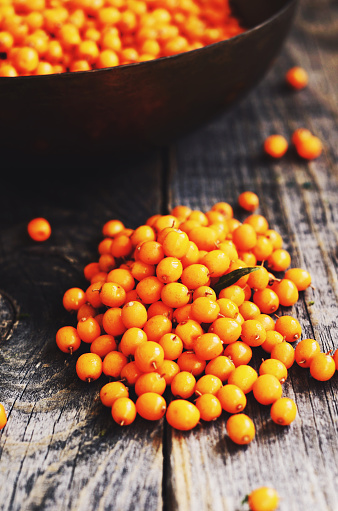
(61, 449)
(300, 201)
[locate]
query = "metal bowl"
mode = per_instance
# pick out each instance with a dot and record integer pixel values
(141, 106)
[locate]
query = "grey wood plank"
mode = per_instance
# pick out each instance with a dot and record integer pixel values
(61, 449)
(299, 200)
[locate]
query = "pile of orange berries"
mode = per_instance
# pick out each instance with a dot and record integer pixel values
(156, 315)
(39, 37)
(307, 145)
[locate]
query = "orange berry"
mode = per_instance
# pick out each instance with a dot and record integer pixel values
(241, 429)
(123, 411)
(234, 293)
(297, 78)
(322, 367)
(244, 237)
(263, 499)
(208, 346)
(175, 294)
(272, 338)
(190, 362)
(310, 148)
(305, 351)
(275, 146)
(279, 260)
(68, 339)
(204, 310)
(112, 391)
(156, 327)
(183, 385)
(150, 382)
(267, 300)
(244, 377)
(113, 364)
(284, 352)
(39, 229)
(283, 411)
(89, 367)
(227, 329)
(112, 295)
(103, 345)
(289, 327)
(286, 291)
(267, 389)
(134, 314)
(172, 346)
(130, 373)
(232, 398)
(248, 201)
(253, 332)
(182, 415)
(239, 352)
(301, 278)
(209, 407)
(168, 370)
(131, 339)
(151, 406)
(149, 289)
(221, 367)
(148, 356)
(88, 329)
(208, 384)
(112, 322)
(300, 135)
(275, 367)
(188, 331)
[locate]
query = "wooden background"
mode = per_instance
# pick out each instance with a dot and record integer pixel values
(60, 449)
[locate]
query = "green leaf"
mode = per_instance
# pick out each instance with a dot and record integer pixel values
(231, 278)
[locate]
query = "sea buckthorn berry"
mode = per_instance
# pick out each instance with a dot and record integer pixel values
(335, 358)
(239, 352)
(286, 291)
(124, 411)
(168, 370)
(297, 78)
(93, 294)
(112, 295)
(289, 327)
(156, 327)
(301, 278)
(134, 314)
(188, 331)
(228, 308)
(227, 329)
(208, 384)
(199, 217)
(208, 346)
(305, 351)
(275, 146)
(195, 275)
(263, 248)
(175, 294)
(103, 345)
(176, 244)
(160, 308)
(112, 391)
(267, 321)
(172, 346)
(223, 207)
(284, 352)
(86, 311)
(150, 382)
(112, 227)
(244, 237)
(88, 329)
(300, 135)
(204, 291)
(192, 255)
(107, 262)
(131, 339)
(242, 281)
(204, 310)
(275, 238)
(204, 237)
(148, 356)
(248, 257)
(249, 310)
(221, 367)
(217, 262)
(3, 416)
(101, 277)
(121, 246)
(258, 222)
(229, 248)
(149, 289)
(322, 367)
(244, 377)
(283, 411)
(181, 212)
(68, 339)
(169, 270)
(279, 260)
(150, 252)
(263, 499)
(183, 385)
(39, 229)
(272, 338)
(248, 201)
(182, 314)
(182, 415)
(141, 270)
(166, 221)
(259, 279)
(122, 277)
(275, 367)
(267, 389)
(190, 362)
(253, 332)
(90, 270)
(113, 363)
(240, 428)
(151, 406)
(89, 367)
(209, 407)
(130, 373)
(267, 300)
(112, 322)
(232, 398)
(74, 298)
(234, 293)
(26, 61)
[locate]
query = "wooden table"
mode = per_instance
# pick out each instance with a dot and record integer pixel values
(60, 449)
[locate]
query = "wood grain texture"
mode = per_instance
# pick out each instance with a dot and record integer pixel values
(60, 449)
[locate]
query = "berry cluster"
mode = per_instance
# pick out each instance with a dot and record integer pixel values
(40, 37)
(181, 302)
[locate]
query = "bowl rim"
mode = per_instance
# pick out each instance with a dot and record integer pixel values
(119, 68)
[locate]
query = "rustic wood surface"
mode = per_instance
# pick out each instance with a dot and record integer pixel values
(60, 449)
